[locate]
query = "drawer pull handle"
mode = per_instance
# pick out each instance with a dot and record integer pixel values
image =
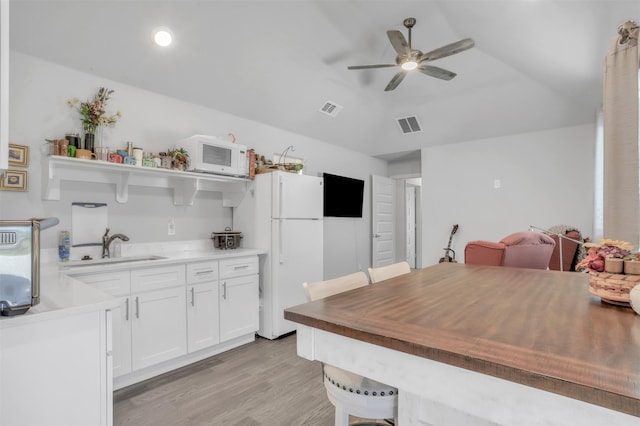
(193, 297)
(235, 268)
(209, 271)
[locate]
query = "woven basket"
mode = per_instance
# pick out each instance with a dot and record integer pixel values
(612, 288)
(285, 167)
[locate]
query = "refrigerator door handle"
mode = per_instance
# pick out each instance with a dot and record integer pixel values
(281, 242)
(280, 196)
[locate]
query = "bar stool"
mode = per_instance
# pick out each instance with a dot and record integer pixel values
(350, 393)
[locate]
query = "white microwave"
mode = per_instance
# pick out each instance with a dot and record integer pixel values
(209, 154)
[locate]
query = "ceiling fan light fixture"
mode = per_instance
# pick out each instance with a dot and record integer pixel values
(409, 65)
(409, 59)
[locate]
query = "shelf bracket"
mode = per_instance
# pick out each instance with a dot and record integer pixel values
(184, 192)
(50, 183)
(122, 188)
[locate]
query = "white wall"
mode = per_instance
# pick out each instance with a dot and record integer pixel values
(546, 180)
(38, 108)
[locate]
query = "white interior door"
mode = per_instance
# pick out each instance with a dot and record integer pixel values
(382, 221)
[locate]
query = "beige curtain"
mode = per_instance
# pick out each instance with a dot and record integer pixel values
(620, 107)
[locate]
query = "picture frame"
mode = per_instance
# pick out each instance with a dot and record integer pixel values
(18, 155)
(14, 180)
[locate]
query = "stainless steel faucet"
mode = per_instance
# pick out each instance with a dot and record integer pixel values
(107, 240)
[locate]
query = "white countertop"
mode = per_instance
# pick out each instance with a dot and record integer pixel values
(62, 295)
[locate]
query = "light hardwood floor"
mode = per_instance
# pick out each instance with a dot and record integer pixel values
(261, 383)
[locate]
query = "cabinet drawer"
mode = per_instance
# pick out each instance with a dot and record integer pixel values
(156, 278)
(202, 271)
(113, 283)
(238, 267)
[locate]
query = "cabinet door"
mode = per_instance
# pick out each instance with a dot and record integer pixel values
(121, 329)
(203, 324)
(159, 326)
(118, 284)
(238, 306)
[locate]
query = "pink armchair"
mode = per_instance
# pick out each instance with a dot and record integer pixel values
(528, 249)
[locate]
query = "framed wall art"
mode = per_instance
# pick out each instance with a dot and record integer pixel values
(18, 155)
(14, 180)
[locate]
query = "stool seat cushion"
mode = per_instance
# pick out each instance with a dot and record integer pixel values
(355, 383)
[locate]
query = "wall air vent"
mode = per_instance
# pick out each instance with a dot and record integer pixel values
(331, 108)
(409, 125)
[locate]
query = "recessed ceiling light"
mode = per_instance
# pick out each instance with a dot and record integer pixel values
(162, 37)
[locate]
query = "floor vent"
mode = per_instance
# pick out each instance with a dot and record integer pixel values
(409, 125)
(331, 108)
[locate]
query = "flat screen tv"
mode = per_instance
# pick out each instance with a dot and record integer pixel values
(343, 196)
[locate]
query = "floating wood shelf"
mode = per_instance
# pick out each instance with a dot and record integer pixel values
(185, 185)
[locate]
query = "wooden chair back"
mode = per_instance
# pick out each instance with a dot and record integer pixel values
(385, 272)
(321, 289)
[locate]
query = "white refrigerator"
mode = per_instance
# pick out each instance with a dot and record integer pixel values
(281, 213)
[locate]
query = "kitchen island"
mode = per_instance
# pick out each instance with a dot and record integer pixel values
(479, 345)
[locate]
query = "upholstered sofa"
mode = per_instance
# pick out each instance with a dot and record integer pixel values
(528, 249)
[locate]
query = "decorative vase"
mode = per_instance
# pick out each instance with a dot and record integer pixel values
(89, 141)
(99, 136)
(634, 299)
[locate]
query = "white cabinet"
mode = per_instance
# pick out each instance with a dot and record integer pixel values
(4, 85)
(203, 323)
(158, 327)
(239, 313)
(150, 324)
(117, 284)
(172, 315)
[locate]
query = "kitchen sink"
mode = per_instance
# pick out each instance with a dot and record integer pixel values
(111, 261)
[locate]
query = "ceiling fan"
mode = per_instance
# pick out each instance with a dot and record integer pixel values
(409, 59)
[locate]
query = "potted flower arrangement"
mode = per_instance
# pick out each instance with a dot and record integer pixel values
(605, 263)
(180, 158)
(94, 114)
(609, 251)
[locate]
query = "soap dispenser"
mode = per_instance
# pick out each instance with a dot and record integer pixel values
(116, 249)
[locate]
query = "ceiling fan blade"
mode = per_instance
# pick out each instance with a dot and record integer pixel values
(448, 50)
(399, 43)
(397, 79)
(436, 72)
(366, 67)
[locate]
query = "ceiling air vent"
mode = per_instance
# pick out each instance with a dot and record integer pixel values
(409, 125)
(331, 108)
